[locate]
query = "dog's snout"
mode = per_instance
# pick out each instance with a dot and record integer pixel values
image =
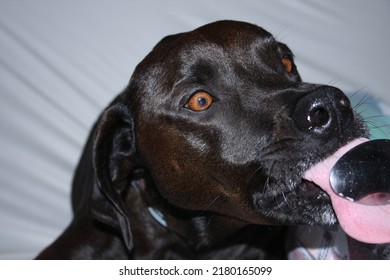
(323, 110)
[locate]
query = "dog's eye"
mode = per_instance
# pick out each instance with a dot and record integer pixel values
(200, 101)
(287, 62)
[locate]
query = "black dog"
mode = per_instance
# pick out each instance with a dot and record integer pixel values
(203, 153)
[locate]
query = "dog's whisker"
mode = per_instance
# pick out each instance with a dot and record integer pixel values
(332, 83)
(266, 185)
(372, 122)
(210, 204)
(288, 202)
(375, 117)
(362, 100)
(356, 92)
(380, 128)
(359, 91)
(285, 199)
(252, 177)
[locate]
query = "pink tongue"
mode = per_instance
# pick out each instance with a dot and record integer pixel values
(370, 224)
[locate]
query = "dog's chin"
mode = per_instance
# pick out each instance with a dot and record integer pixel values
(305, 203)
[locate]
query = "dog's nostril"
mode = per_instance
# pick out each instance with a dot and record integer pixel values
(318, 117)
(323, 110)
(312, 116)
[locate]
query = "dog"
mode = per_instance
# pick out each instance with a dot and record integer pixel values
(202, 155)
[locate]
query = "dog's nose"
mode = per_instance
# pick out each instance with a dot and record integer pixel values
(324, 110)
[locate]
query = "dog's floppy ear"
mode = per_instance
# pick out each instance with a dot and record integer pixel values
(113, 152)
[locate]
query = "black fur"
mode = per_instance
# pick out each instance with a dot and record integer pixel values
(227, 179)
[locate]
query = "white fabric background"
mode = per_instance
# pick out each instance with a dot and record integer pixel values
(61, 62)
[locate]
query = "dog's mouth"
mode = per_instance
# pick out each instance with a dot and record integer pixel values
(309, 190)
(313, 201)
(304, 203)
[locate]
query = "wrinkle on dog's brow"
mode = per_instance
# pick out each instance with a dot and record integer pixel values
(206, 52)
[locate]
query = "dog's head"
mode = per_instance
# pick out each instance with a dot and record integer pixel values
(221, 121)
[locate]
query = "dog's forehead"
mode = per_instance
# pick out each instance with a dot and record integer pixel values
(216, 43)
(230, 32)
(233, 36)
(227, 36)
(222, 47)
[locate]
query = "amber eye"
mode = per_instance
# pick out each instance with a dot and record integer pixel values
(200, 101)
(287, 62)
